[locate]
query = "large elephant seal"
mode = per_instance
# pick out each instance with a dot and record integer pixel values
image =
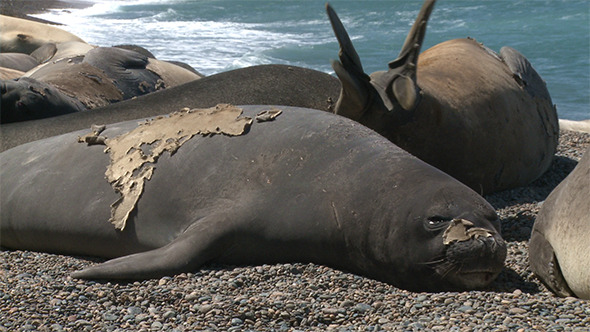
(24, 36)
(263, 85)
(103, 76)
(309, 186)
(484, 118)
(560, 241)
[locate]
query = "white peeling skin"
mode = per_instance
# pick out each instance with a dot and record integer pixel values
(128, 169)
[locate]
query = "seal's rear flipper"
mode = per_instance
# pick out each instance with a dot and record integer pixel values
(186, 253)
(355, 94)
(398, 85)
(545, 265)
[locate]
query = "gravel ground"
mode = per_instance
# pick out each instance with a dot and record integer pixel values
(37, 294)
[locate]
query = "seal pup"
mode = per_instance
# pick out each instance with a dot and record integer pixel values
(264, 85)
(484, 118)
(24, 36)
(307, 186)
(560, 241)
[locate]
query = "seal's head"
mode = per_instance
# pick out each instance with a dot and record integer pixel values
(446, 236)
(462, 247)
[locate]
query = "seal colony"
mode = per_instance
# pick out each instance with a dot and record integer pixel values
(307, 186)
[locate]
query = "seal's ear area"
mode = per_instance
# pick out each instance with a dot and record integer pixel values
(545, 265)
(398, 84)
(356, 91)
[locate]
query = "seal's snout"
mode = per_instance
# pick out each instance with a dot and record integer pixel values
(476, 254)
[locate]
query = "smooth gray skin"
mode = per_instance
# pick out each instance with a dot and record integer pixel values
(307, 187)
(18, 61)
(263, 85)
(560, 242)
(486, 119)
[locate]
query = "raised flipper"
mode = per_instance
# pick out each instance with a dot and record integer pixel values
(545, 265)
(398, 85)
(198, 244)
(356, 92)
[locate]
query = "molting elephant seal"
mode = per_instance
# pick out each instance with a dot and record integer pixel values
(307, 186)
(485, 119)
(560, 242)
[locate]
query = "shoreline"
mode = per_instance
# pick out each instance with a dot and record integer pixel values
(25, 8)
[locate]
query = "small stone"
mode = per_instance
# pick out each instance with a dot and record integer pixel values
(517, 311)
(134, 310)
(362, 307)
(236, 321)
(169, 314)
(205, 308)
(110, 317)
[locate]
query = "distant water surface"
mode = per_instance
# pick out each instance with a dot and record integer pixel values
(220, 35)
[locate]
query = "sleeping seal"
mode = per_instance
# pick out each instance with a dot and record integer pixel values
(307, 186)
(24, 36)
(560, 240)
(483, 118)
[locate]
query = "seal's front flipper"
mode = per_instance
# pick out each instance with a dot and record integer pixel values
(186, 253)
(356, 91)
(545, 265)
(398, 85)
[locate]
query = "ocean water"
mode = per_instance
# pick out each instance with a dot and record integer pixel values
(220, 35)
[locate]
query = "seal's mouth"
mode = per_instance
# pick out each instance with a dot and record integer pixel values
(473, 256)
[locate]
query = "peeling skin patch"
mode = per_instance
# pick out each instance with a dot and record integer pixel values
(131, 163)
(268, 115)
(94, 137)
(461, 230)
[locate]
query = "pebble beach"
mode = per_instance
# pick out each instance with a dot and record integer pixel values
(37, 293)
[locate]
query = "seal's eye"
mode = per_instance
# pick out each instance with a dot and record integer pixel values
(437, 222)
